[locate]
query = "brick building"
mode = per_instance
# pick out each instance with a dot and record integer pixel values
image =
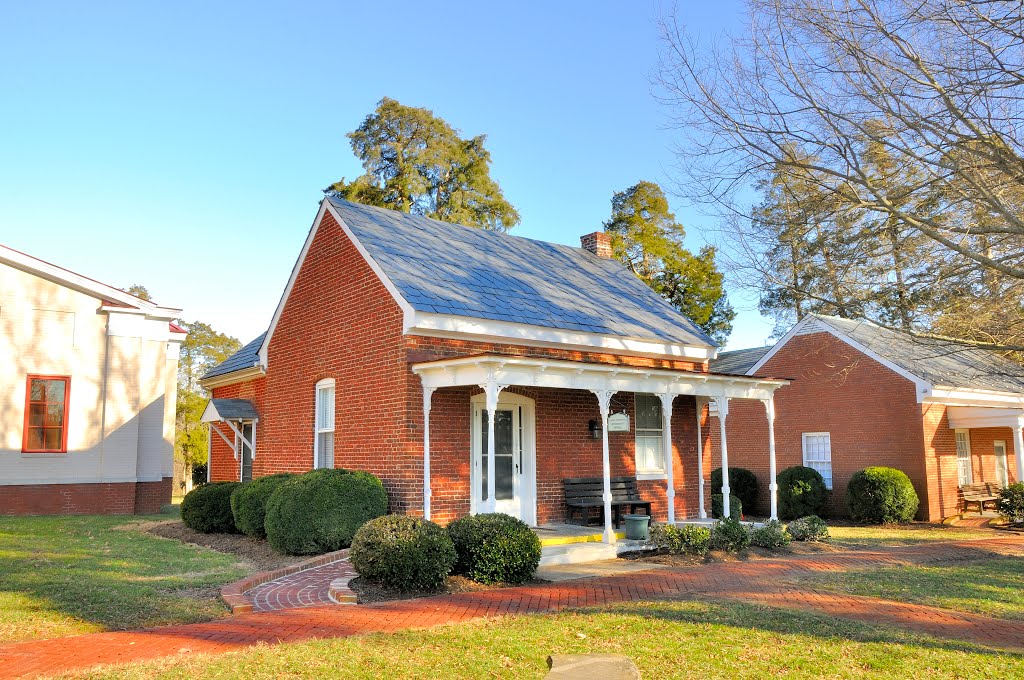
(429, 353)
(864, 395)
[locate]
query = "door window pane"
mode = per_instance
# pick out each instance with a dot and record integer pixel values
(246, 454)
(504, 455)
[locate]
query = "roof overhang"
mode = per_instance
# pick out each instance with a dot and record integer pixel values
(556, 373)
(964, 396)
(241, 375)
(967, 417)
(223, 410)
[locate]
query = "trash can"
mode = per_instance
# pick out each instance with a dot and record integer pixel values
(637, 527)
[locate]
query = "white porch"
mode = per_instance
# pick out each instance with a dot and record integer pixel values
(493, 374)
(977, 417)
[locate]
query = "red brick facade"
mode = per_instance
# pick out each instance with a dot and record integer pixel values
(123, 498)
(340, 322)
(872, 415)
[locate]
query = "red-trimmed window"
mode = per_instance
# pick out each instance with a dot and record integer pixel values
(46, 414)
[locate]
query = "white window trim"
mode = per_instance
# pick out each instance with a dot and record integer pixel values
(970, 460)
(996, 444)
(803, 453)
(239, 446)
(317, 429)
(649, 473)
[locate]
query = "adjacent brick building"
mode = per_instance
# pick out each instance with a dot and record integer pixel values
(514, 352)
(864, 395)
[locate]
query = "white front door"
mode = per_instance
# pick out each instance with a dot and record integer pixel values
(513, 458)
(1002, 474)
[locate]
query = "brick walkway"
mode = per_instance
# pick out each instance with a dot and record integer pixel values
(760, 581)
(303, 589)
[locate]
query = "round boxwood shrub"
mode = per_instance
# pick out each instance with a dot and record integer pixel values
(801, 492)
(881, 495)
(1011, 503)
(249, 503)
(735, 506)
(681, 539)
(742, 483)
(407, 553)
(207, 508)
(730, 535)
(321, 510)
(494, 548)
(811, 528)
(771, 536)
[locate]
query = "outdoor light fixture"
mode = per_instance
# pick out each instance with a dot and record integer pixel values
(595, 429)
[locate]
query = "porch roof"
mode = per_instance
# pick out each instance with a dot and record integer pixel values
(557, 373)
(218, 410)
(967, 417)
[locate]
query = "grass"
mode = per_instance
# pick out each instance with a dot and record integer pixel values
(68, 575)
(864, 537)
(665, 639)
(991, 587)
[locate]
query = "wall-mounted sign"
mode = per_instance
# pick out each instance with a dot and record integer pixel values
(618, 422)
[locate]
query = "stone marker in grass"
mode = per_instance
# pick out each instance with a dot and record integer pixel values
(590, 666)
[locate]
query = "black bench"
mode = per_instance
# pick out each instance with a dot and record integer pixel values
(585, 493)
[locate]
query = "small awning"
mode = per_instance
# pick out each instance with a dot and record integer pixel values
(220, 410)
(967, 417)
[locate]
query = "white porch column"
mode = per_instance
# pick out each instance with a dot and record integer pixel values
(1018, 447)
(773, 487)
(703, 513)
(604, 398)
(723, 411)
(427, 392)
(670, 490)
(492, 389)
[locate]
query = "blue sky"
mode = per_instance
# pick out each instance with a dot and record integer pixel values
(184, 145)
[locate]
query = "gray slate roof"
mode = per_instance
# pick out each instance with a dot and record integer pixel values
(739, 361)
(247, 357)
(451, 269)
(235, 409)
(938, 362)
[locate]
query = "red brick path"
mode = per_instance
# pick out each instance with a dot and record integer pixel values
(761, 581)
(307, 588)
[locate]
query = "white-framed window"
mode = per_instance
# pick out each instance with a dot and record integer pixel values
(1002, 473)
(964, 474)
(818, 454)
(650, 454)
(323, 442)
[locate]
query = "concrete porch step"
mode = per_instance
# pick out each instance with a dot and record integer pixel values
(575, 553)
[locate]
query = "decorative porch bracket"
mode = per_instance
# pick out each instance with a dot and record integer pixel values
(773, 487)
(604, 398)
(670, 490)
(491, 389)
(238, 433)
(231, 444)
(427, 393)
(723, 412)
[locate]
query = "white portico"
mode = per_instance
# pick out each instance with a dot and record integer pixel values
(494, 374)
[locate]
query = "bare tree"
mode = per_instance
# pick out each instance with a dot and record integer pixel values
(815, 90)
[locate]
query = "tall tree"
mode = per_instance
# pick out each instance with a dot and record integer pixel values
(938, 85)
(139, 291)
(647, 238)
(418, 163)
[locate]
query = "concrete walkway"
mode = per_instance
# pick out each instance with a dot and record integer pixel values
(759, 581)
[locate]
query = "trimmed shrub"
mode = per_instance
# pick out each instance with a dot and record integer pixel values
(811, 528)
(801, 492)
(881, 495)
(249, 503)
(207, 508)
(771, 536)
(1011, 503)
(494, 548)
(407, 553)
(742, 483)
(730, 535)
(320, 511)
(687, 539)
(735, 506)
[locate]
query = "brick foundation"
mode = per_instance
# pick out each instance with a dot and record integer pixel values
(124, 498)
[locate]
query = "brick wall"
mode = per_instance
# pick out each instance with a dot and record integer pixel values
(124, 498)
(870, 411)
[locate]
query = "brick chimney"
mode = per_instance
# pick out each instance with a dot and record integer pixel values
(599, 243)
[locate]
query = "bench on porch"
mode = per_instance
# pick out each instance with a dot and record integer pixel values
(584, 493)
(979, 494)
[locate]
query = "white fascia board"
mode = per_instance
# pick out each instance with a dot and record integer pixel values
(325, 206)
(505, 332)
(922, 387)
(241, 375)
(963, 396)
(83, 284)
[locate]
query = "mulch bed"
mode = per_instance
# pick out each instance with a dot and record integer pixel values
(371, 591)
(258, 553)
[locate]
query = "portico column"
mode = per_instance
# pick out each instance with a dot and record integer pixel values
(492, 389)
(773, 487)
(723, 411)
(604, 398)
(1018, 447)
(670, 490)
(702, 513)
(427, 392)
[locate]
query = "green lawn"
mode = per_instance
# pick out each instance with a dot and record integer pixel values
(862, 537)
(67, 575)
(665, 639)
(991, 587)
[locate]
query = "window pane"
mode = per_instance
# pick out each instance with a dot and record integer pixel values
(35, 439)
(38, 390)
(36, 414)
(648, 412)
(52, 438)
(325, 408)
(55, 390)
(55, 414)
(325, 450)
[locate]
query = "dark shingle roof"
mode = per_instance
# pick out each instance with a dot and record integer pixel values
(936, 361)
(451, 269)
(739, 361)
(235, 409)
(247, 357)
